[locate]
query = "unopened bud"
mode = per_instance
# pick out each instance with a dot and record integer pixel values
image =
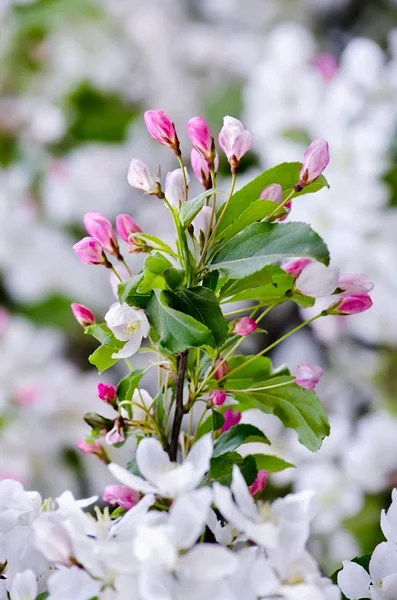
(245, 326)
(90, 252)
(121, 495)
(141, 177)
(101, 229)
(351, 304)
(232, 418)
(221, 369)
(107, 393)
(235, 141)
(126, 226)
(201, 137)
(218, 397)
(82, 314)
(315, 161)
(162, 129)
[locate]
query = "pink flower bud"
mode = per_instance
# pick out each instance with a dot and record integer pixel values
(355, 283)
(221, 369)
(307, 376)
(126, 226)
(232, 418)
(121, 495)
(26, 395)
(260, 483)
(218, 397)
(107, 393)
(245, 326)
(202, 222)
(95, 448)
(82, 314)
(351, 304)
(235, 141)
(274, 192)
(116, 435)
(90, 252)
(201, 168)
(162, 129)
(295, 266)
(326, 64)
(141, 177)
(175, 187)
(201, 138)
(316, 159)
(101, 229)
(89, 447)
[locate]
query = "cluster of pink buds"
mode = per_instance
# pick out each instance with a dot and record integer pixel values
(234, 140)
(102, 241)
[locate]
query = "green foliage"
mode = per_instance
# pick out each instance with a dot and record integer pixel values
(221, 468)
(186, 319)
(273, 464)
(270, 285)
(192, 207)
(54, 310)
(173, 330)
(128, 292)
(236, 436)
(154, 268)
(98, 116)
(250, 372)
(42, 596)
(296, 407)
(256, 211)
(263, 244)
(102, 358)
(213, 422)
(47, 13)
(127, 386)
(286, 175)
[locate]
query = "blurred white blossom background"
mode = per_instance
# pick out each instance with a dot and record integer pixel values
(75, 79)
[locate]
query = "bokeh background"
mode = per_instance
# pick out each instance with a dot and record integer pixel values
(75, 78)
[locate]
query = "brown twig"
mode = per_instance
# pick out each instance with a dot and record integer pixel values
(179, 410)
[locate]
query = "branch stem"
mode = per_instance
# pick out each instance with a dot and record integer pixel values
(179, 409)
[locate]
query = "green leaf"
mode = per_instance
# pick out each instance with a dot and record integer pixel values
(210, 281)
(102, 358)
(133, 468)
(118, 512)
(97, 422)
(42, 596)
(296, 408)
(152, 240)
(127, 386)
(213, 422)
(153, 269)
(192, 207)
(273, 464)
(236, 436)
(286, 175)
(221, 468)
(100, 331)
(201, 304)
(263, 244)
(159, 410)
(254, 373)
(128, 292)
(256, 211)
(174, 278)
(174, 330)
(270, 285)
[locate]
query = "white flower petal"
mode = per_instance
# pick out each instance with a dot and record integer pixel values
(130, 480)
(188, 516)
(24, 586)
(318, 280)
(207, 562)
(242, 496)
(383, 561)
(199, 457)
(354, 581)
(152, 459)
(72, 583)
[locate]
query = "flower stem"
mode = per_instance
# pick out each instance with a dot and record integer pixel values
(115, 272)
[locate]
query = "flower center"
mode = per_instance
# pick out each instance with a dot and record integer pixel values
(132, 327)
